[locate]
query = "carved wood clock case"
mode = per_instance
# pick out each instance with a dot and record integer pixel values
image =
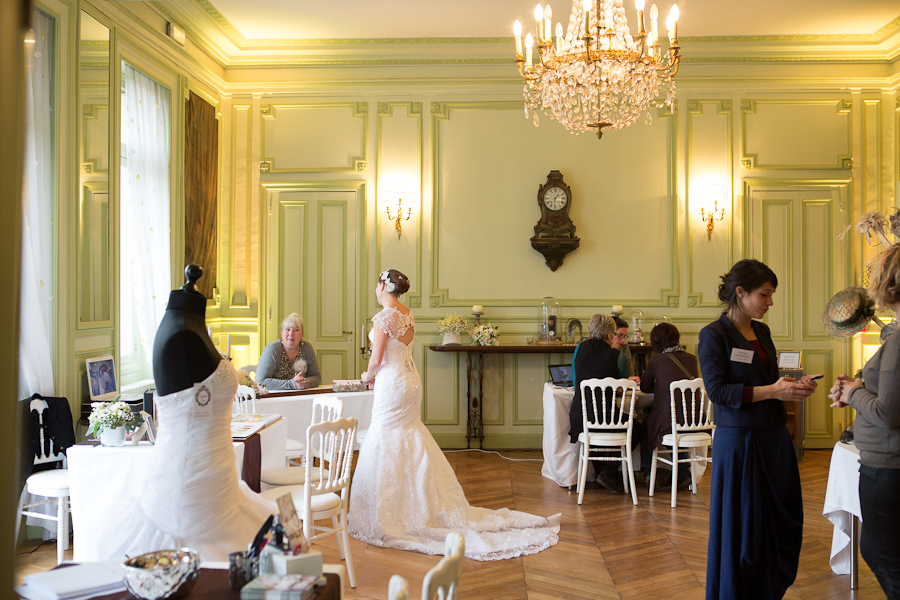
(554, 234)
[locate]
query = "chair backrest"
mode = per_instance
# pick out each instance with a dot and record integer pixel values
(442, 582)
(602, 394)
(398, 588)
(326, 408)
(41, 457)
(337, 438)
(694, 404)
(245, 400)
(248, 369)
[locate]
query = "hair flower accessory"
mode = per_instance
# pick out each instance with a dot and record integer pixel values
(385, 279)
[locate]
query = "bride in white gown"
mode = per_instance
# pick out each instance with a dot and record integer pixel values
(405, 494)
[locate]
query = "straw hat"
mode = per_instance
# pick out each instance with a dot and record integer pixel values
(848, 312)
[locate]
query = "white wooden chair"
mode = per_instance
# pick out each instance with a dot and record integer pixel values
(441, 582)
(398, 588)
(53, 485)
(324, 408)
(694, 433)
(244, 401)
(611, 428)
(326, 491)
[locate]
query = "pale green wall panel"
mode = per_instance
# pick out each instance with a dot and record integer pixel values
(817, 281)
(777, 253)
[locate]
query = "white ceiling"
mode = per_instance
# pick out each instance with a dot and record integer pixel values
(354, 19)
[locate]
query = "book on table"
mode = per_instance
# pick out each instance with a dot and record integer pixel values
(86, 580)
(279, 587)
(243, 426)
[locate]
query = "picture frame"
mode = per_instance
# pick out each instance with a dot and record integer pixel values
(103, 385)
(789, 360)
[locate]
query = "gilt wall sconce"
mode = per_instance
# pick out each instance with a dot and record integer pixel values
(710, 216)
(405, 201)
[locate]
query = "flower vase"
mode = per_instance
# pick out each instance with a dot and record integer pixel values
(113, 437)
(451, 339)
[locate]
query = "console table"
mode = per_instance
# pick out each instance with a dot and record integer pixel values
(474, 424)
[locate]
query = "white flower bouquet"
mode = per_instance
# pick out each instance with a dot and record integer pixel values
(453, 324)
(485, 335)
(106, 416)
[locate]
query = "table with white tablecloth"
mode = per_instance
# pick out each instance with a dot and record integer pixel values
(298, 409)
(560, 455)
(842, 509)
(103, 479)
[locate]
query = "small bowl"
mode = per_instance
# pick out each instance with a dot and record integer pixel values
(162, 574)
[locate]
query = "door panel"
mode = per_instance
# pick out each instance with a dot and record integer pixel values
(792, 229)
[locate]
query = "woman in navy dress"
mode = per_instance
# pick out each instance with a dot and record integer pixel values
(756, 510)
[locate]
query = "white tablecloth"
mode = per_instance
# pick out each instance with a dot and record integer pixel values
(298, 410)
(560, 455)
(102, 480)
(842, 503)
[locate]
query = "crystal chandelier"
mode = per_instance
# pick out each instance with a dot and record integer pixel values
(597, 76)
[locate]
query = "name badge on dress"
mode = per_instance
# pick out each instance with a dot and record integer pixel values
(742, 356)
(202, 401)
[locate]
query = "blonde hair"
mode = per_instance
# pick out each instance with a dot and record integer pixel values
(292, 320)
(601, 326)
(884, 283)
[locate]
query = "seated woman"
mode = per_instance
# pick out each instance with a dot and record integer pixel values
(289, 363)
(596, 358)
(669, 363)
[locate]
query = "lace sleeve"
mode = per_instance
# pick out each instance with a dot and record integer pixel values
(392, 322)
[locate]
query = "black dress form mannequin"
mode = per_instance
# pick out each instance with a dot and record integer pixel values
(183, 353)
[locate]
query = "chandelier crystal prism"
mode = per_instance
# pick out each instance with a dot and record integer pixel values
(597, 77)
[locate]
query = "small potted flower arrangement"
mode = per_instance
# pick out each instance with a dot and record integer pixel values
(450, 327)
(485, 335)
(111, 421)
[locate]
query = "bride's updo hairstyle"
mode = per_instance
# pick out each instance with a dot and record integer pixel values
(395, 282)
(749, 274)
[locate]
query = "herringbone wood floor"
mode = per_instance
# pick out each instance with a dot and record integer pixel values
(608, 548)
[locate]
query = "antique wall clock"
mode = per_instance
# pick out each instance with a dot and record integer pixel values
(554, 234)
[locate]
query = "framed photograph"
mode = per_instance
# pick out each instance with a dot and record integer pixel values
(789, 360)
(102, 383)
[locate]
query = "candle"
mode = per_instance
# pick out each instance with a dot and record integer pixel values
(477, 309)
(548, 31)
(654, 14)
(617, 308)
(609, 19)
(586, 5)
(674, 16)
(517, 30)
(559, 37)
(639, 5)
(539, 17)
(529, 43)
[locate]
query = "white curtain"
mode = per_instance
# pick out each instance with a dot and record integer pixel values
(36, 295)
(144, 233)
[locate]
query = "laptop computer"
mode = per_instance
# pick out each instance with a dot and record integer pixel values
(561, 375)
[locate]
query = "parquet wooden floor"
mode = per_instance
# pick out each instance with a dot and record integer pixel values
(608, 548)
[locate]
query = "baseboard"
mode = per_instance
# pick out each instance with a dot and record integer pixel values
(492, 441)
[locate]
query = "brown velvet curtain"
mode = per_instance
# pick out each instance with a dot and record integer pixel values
(201, 170)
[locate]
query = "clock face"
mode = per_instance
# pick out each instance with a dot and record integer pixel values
(555, 198)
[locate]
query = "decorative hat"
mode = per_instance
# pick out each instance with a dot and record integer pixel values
(848, 312)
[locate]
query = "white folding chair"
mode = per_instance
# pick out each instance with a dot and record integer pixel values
(610, 429)
(398, 588)
(441, 582)
(53, 485)
(324, 408)
(318, 498)
(694, 433)
(244, 401)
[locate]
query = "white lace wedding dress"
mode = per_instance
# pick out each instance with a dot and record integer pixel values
(405, 494)
(192, 495)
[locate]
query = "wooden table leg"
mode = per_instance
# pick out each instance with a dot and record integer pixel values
(474, 424)
(854, 552)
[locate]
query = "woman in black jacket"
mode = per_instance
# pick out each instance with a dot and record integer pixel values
(756, 510)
